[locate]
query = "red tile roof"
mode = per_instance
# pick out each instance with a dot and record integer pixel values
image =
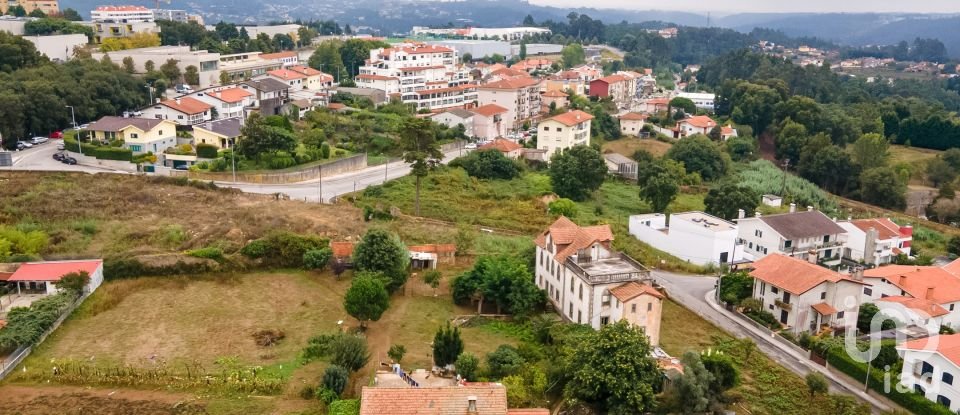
(453, 400)
(231, 95)
(490, 110)
(286, 74)
(501, 144)
(341, 249)
(305, 70)
(634, 116)
(278, 55)
(569, 238)
(925, 307)
(612, 79)
(885, 227)
(700, 121)
(946, 345)
(726, 130)
(633, 289)
(918, 281)
(824, 309)
(793, 275)
(433, 248)
(52, 271)
(5, 275)
(513, 83)
(555, 94)
(571, 118)
(376, 77)
(187, 105)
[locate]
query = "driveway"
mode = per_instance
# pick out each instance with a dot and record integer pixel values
(693, 293)
(40, 158)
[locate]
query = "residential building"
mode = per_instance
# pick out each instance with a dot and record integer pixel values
(695, 237)
(58, 48)
(702, 100)
(207, 63)
(654, 105)
(285, 58)
(498, 72)
(454, 117)
(469, 399)
(632, 123)
(269, 95)
(314, 80)
(506, 33)
(639, 304)
(566, 81)
(806, 297)
(509, 148)
(140, 135)
(48, 7)
(555, 98)
(532, 64)
(247, 65)
(428, 76)
(183, 111)
(805, 235)
(727, 132)
(588, 72)
(918, 288)
(221, 133)
(929, 368)
(578, 269)
(41, 277)
(616, 87)
(563, 131)
(121, 21)
(180, 16)
(621, 165)
(877, 241)
(295, 80)
(476, 48)
(698, 124)
(488, 122)
(228, 102)
(520, 96)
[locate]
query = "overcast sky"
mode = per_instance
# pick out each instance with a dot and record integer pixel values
(735, 6)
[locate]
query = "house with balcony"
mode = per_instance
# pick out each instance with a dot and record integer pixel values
(619, 88)
(876, 241)
(140, 135)
(563, 131)
(930, 366)
(808, 235)
(586, 280)
(695, 237)
(270, 95)
(806, 297)
(229, 102)
(699, 124)
(184, 111)
(520, 96)
(489, 122)
(428, 76)
(315, 80)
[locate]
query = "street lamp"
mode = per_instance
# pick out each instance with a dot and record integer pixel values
(73, 116)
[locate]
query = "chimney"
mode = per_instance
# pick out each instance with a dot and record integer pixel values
(902, 280)
(741, 214)
(472, 405)
(178, 101)
(809, 208)
(857, 273)
(929, 293)
(793, 207)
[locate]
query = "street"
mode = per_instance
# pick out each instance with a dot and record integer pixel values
(692, 292)
(40, 158)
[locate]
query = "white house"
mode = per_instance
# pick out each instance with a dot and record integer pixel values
(631, 123)
(695, 237)
(930, 366)
(578, 268)
(183, 111)
(563, 131)
(894, 285)
(488, 123)
(229, 102)
(702, 100)
(800, 234)
(454, 117)
(699, 124)
(806, 297)
(640, 305)
(876, 241)
(42, 276)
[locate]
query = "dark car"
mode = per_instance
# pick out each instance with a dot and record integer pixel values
(59, 156)
(68, 160)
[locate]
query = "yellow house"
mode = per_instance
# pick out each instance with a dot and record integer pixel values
(640, 305)
(563, 131)
(140, 135)
(219, 133)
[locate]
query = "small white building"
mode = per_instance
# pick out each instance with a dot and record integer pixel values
(806, 297)
(183, 111)
(699, 124)
(488, 122)
(632, 123)
(41, 277)
(772, 201)
(454, 117)
(702, 100)
(695, 237)
(800, 234)
(930, 366)
(876, 241)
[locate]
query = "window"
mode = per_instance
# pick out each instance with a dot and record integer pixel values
(823, 295)
(160, 132)
(951, 307)
(570, 313)
(867, 291)
(786, 297)
(559, 129)
(633, 308)
(750, 245)
(947, 378)
(649, 306)
(579, 315)
(840, 314)
(764, 251)
(545, 128)
(581, 291)
(787, 244)
(770, 306)
(134, 135)
(774, 290)
(926, 368)
(943, 400)
(571, 284)
(136, 148)
(604, 321)
(180, 117)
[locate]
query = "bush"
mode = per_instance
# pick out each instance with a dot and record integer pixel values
(317, 258)
(207, 151)
(25, 325)
(504, 361)
(565, 207)
(317, 347)
(350, 352)
(725, 374)
(335, 379)
(283, 249)
(488, 164)
(344, 407)
(113, 153)
(120, 268)
(213, 253)
(327, 396)
(467, 365)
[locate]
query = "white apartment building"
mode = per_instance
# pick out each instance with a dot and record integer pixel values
(806, 297)
(702, 100)
(876, 241)
(428, 76)
(578, 269)
(520, 96)
(695, 237)
(798, 234)
(922, 295)
(563, 131)
(930, 366)
(229, 101)
(183, 111)
(122, 14)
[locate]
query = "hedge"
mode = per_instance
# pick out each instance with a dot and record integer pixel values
(207, 151)
(345, 407)
(910, 401)
(120, 268)
(285, 249)
(100, 152)
(25, 325)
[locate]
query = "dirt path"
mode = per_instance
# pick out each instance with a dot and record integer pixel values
(31, 400)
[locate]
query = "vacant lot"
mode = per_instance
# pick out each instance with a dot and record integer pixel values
(911, 155)
(629, 145)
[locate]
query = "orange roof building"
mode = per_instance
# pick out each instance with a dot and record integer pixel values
(920, 292)
(929, 368)
(183, 111)
(877, 241)
(489, 110)
(474, 399)
(804, 296)
(507, 147)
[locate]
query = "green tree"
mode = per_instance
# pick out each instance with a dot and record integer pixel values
(572, 55)
(467, 365)
(382, 252)
(523, 50)
(870, 150)
(149, 66)
(350, 352)
(191, 75)
(612, 370)
(726, 199)
(736, 286)
(355, 52)
(685, 104)
(952, 157)
(660, 191)
(37, 13)
(562, 207)
(825, 164)
(576, 172)
(505, 280)
(504, 361)
(326, 58)
(396, 352)
(17, 11)
(882, 186)
(693, 386)
(741, 148)
(447, 345)
(260, 138)
(418, 142)
(224, 78)
(699, 154)
(432, 278)
(953, 245)
(791, 139)
(71, 15)
(488, 164)
(170, 70)
(724, 371)
(366, 299)
(73, 282)
(128, 65)
(939, 171)
(816, 383)
(465, 239)
(317, 258)
(335, 379)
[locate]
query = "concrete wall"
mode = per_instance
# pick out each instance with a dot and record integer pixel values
(58, 47)
(345, 165)
(119, 165)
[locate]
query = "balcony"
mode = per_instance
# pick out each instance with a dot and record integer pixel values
(783, 305)
(621, 268)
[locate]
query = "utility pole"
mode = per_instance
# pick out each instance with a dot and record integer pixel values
(233, 161)
(73, 116)
(385, 165)
(783, 187)
(150, 89)
(320, 183)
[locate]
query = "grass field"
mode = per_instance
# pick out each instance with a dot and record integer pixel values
(911, 155)
(629, 145)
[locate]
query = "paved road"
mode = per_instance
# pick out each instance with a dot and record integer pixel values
(337, 185)
(693, 292)
(40, 158)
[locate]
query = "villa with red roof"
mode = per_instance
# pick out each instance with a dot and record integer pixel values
(926, 296)
(806, 297)
(876, 241)
(508, 148)
(590, 283)
(563, 131)
(520, 96)
(183, 111)
(698, 124)
(230, 102)
(931, 367)
(489, 122)
(314, 80)
(40, 277)
(632, 123)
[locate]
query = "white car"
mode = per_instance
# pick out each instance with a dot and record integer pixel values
(470, 146)
(38, 140)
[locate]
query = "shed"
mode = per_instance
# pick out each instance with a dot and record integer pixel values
(40, 277)
(772, 200)
(621, 165)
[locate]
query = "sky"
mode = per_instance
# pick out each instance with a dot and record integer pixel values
(736, 6)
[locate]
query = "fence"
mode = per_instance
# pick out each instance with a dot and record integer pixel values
(7, 365)
(776, 336)
(298, 174)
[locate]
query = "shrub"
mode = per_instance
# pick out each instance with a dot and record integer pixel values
(562, 206)
(317, 347)
(396, 352)
(207, 151)
(725, 374)
(327, 396)
(211, 252)
(283, 249)
(504, 361)
(325, 150)
(25, 325)
(344, 407)
(317, 258)
(113, 153)
(488, 164)
(119, 268)
(447, 345)
(350, 352)
(467, 365)
(335, 378)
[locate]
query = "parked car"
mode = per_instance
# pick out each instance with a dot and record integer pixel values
(61, 147)
(56, 134)
(470, 146)
(181, 167)
(183, 89)
(39, 140)
(68, 160)
(23, 145)
(59, 156)
(84, 126)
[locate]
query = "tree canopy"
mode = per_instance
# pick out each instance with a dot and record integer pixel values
(504, 280)
(381, 251)
(576, 172)
(701, 155)
(367, 298)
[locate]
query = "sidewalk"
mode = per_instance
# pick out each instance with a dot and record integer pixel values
(857, 389)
